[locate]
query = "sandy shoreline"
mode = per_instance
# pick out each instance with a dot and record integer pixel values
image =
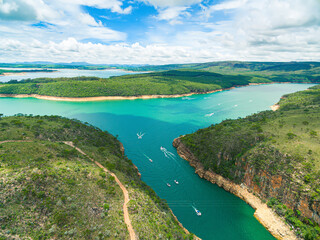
(275, 107)
(13, 74)
(265, 215)
(103, 98)
(108, 98)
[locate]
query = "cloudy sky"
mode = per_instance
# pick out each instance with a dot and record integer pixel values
(159, 31)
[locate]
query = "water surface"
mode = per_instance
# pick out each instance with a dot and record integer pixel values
(224, 216)
(63, 73)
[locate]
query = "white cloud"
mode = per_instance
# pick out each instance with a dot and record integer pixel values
(113, 5)
(264, 30)
(172, 15)
(7, 7)
(171, 3)
(62, 18)
(88, 20)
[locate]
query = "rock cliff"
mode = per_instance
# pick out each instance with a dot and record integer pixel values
(270, 220)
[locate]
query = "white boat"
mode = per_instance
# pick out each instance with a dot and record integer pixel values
(197, 212)
(176, 181)
(168, 185)
(150, 160)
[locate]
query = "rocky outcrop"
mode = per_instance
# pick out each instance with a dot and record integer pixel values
(270, 220)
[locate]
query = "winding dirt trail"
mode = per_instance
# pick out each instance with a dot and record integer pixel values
(124, 190)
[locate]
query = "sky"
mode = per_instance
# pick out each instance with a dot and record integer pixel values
(159, 31)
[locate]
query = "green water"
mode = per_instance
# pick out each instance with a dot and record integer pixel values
(224, 216)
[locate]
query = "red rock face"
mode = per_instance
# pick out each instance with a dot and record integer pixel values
(276, 182)
(303, 207)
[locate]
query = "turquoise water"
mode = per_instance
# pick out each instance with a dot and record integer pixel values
(64, 73)
(224, 216)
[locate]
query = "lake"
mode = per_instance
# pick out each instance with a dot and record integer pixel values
(224, 216)
(64, 73)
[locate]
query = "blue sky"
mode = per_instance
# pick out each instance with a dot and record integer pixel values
(159, 31)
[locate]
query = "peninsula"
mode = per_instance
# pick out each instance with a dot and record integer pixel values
(273, 156)
(62, 179)
(171, 83)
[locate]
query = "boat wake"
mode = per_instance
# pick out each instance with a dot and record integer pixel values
(209, 114)
(148, 158)
(187, 98)
(140, 135)
(167, 154)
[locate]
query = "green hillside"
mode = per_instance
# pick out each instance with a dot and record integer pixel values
(49, 190)
(275, 154)
(260, 71)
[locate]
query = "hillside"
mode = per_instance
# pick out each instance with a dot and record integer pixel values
(173, 82)
(260, 71)
(276, 155)
(50, 190)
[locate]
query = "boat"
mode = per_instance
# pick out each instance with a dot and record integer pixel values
(168, 185)
(150, 160)
(197, 212)
(176, 181)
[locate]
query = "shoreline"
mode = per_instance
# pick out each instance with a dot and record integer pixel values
(104, 98)
(13, 74)
(275, 107)
(111, 98)
(265, 215)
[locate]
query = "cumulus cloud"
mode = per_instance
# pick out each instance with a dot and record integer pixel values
(268, 30)
(59, 19)
(17, 11)
(72, 50)
(171, 10)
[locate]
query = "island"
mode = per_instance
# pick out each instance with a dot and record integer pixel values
(64, 179)
(270, 159)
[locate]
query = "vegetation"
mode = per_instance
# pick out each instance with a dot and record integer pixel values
(258, 71)
(162, 83)
(271, 147)
(176, 79)
(48, 190)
